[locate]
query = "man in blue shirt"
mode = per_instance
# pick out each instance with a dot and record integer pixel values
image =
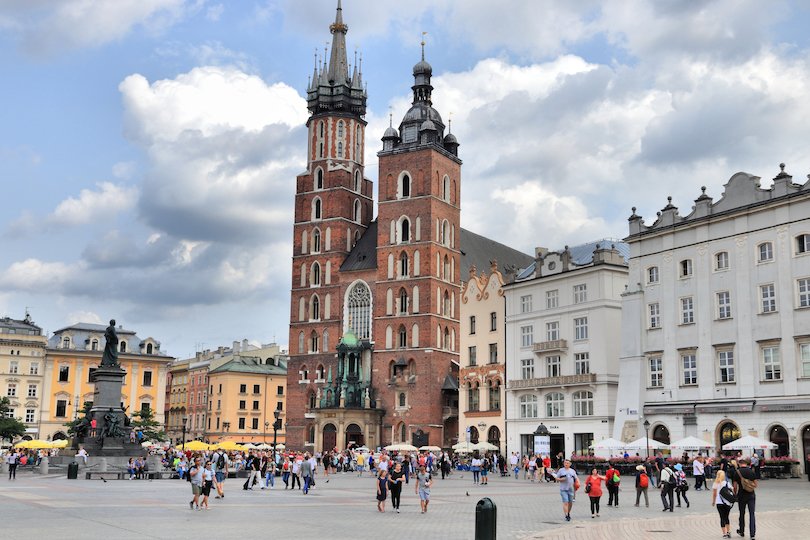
(567, 478)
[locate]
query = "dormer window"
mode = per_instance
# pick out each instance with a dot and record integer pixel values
(65, 342)
(122, 346)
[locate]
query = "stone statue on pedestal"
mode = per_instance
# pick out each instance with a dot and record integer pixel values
(110, 357)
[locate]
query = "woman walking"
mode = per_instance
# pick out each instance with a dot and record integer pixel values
(475, 467)
(395, 485)
(382, 489)
(285, 472)
(593, 487)
(681, 487)
(485, 465)
(208, 482)
(723, 505)
(642, 483)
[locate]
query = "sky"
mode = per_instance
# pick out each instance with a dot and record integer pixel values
(149, 148)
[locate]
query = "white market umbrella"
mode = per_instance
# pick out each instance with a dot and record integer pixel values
(280, 445)
(250, 446)
(485, 446)
(263, 446)
(691, 443)
(401, 447)
(609, 444)
(642, 443)
(463, 447)
(749, 442)
(429, 449)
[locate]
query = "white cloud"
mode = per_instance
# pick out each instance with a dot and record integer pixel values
(123, 170)
(213, 13)
(49, 27)
(108, 200)
(76, 317)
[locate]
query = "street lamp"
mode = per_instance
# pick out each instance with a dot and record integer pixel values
(185, 419)
(276, 427)
(647, 436)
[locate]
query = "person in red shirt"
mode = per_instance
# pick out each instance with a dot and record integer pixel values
(593, 487)
(612, 486)
(547, 468)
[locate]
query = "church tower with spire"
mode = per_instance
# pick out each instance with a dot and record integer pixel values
(333, 209)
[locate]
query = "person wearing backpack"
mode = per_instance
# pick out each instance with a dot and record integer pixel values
(667, 484)
(612, 482)
(681, 487)
(745, 485)
(642, 483)
(723, 499)
(220, 463)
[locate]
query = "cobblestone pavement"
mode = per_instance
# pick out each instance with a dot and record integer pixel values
(345, 508)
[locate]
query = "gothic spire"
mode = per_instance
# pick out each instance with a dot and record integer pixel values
(338, 63)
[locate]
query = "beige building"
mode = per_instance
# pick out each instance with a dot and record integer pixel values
(481, 372)
(22, 369)
(244, 393)
(176, 399)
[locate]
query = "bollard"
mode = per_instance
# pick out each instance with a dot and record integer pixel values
(43, 465)
(486, 519)
(73, 471)
(102, 465)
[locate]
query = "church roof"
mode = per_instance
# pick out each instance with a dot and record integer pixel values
(363, 255)
(478, 251)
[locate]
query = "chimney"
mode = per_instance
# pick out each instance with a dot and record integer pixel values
(235, 347)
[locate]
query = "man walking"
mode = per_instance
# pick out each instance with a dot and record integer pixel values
(255, 466)
(567, 478)
(12, 459)
(745, 485)
(667, 484)
(698, 472)
(220, 461)
(306, 472)
(422, 488)
(196, 474)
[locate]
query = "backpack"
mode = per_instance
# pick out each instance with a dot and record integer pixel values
(643, 481)
(221, 462)
(672, 481)
(747, 485)
(616, 479)
(728, 494)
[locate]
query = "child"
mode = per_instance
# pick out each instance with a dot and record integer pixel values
(208, 482)
(382, 489)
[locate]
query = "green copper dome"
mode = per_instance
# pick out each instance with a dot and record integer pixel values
(349, 339)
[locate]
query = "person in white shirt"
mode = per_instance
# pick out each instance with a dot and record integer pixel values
(723, 505)
(513, 464)
(698, 472)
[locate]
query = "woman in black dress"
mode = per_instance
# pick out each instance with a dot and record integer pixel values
(395, 484)
(382, 490)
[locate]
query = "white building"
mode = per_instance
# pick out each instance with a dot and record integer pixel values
(716, 326)
(563, 315)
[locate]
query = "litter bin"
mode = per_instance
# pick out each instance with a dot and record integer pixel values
(73, 471)
(486, 519)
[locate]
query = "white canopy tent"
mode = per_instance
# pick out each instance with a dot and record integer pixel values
(644, 443)
(691, 443)
(749, 442)
(609, 444)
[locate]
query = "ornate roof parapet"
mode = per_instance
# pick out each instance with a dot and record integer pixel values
(742, 191)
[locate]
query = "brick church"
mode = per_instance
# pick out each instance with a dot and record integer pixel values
(374, 317)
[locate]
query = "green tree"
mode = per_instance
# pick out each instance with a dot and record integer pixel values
(145, 422)
(9, 427)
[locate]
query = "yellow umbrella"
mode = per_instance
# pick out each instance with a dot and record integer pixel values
(196, 446)
(36, 443)
(230, 445)
(59, 444)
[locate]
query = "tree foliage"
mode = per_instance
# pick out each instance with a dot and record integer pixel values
(10, 428)
(145, 422)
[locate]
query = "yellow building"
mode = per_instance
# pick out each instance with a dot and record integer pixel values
(22, 365)
(243, 395)
(75, 352)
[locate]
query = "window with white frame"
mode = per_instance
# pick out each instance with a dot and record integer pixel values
(526, 336)
(527, 368)
(582, 363)
(687, 310)
(689, 368)
(580, 293)
(721, 260)
(13, 367)
(725, 366)
(32, 390)
(765, 252)
(526, 303)
(652, 275)
(552, 299)
(771, 363)
(583, 403)
(33, 369)
(767, 295)
(803, 243)
(528, 406)
(656, 372)
(552, 331)
(473, 355)
(555, 405)
(580, 328)
(723, 305)
(30, 416)
(553, 366)
(11, 390)
(804, 359)
(654, 310)
(803, 287)
(685, 267)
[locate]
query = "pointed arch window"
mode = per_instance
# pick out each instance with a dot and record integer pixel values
(446, 339)
(446, 268)
(357, 210)
(340, 128)
(318, 179)
(403, 301)
(445, 234)
(357, 179)
(358, 307)
(315, 275)
(357, 138)
(446, 188)
(301, 342)
(404, 187)
(325, 340)
(316, 241)
(403, 337)
(405, 230)
(316, 208)
(314, 342)
(315, 308)
(403, 264)
(446, 305)
(340, 149)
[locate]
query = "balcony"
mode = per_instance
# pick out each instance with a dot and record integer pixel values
(449, 412)
(544, 382)
(549, 346)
